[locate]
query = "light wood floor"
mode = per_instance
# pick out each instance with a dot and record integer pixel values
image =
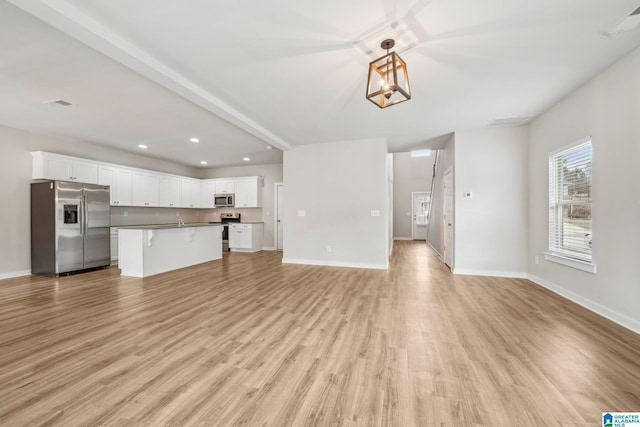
(249, 341)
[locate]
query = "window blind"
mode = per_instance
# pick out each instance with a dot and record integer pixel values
(570, 232)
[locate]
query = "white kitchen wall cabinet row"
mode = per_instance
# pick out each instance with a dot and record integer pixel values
(139, 187)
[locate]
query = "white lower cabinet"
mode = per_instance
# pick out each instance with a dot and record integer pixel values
(245, 237)
(114, 245)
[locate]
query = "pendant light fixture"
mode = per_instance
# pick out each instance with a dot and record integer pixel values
(388, 82)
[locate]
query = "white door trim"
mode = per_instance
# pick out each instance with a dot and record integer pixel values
(413, 212)
(448, 250)
(276, 214)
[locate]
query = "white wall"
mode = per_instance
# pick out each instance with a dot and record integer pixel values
(435, 236)
(337, 185)
(608, 109)
(272, 174)
(411, 174)
(491, 226)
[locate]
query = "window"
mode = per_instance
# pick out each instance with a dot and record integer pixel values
(422, 202)
(570, 234)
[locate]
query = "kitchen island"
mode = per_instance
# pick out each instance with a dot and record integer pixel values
(152, 249)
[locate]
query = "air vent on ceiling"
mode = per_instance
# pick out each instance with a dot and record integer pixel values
(510, 121)
(627, 23)
(58, 103)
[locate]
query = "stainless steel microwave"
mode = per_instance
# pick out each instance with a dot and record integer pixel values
(224, 200)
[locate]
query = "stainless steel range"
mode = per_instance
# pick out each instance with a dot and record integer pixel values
(226, 219)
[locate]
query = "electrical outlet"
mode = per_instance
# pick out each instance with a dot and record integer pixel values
(375, 213)
(302, 213)
(329, 248)
(537, 260)
(126, 213)
(157, 213)
(177, 214)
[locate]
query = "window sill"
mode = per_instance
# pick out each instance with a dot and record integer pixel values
(571, 262)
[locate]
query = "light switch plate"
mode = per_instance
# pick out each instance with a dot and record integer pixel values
(375, 213)
(302, 213)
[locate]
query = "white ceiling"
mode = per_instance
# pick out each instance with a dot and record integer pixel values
(244, 74)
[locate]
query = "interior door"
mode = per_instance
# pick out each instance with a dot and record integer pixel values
(420, 202)
(448, 217)
(279, 223)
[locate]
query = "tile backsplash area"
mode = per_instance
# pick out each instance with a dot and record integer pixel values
(130, 215)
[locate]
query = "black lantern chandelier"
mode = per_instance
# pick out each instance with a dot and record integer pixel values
(388, 82)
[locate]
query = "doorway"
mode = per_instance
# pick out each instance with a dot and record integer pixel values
(278, 222)
(448, 217)
(420, 204)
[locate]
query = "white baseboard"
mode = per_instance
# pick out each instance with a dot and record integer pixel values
(492, 273)
(614, 316)
(336, 263)
(12, 274)
(402, 238)
(436, 251)
(268, 248)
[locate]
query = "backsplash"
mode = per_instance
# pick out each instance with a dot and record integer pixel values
(129, 215)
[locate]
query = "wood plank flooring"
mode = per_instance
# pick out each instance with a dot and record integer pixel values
(249, 341)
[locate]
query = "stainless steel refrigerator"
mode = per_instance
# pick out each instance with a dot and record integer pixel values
(69, 227)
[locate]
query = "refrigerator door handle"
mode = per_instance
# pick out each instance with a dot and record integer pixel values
(83, 219)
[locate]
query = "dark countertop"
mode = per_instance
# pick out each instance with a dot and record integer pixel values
(167, 226)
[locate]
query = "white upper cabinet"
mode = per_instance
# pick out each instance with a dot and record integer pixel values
(190, 192)
(225, 186)
(146, 188)
(120, 182)
(207, 194)
(248, 192)
(138, 187)
(63, 168)
(170, 191)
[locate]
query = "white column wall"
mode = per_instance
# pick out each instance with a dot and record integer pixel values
(491, 226)
(336, 186)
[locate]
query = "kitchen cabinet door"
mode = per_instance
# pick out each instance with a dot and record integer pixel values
(248, 192)
(170, 191)
(146, 188)
(225, 186)
(119, 182)
(85, 172)
(235, 236)
(207, 194)
(190, 193)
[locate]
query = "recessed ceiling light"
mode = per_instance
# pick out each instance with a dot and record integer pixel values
(142, 146)
(269, 147)
(246, 159)
(203, 162)
(194, 140)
